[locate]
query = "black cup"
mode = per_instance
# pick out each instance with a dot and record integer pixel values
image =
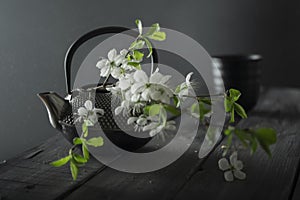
(241, 72)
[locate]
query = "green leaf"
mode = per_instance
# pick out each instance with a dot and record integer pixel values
(205, 100)
(228, 104)
(232, 116)
(159, 36)
(74, 170)
(61, 161)
(154, 109)
(266, 137)
(240, 110)
(253, 145)
(149, 46)
(172, 110)
(138, 55)
(139, 25)
(85, 151)
(95, 142)
(242, 136)
(177, 90)
(137, 44)
(234, 94)
(77, 141)
(135, 64)
(79, 159)
(176, 101)
(85, 129)
(203, 110)
(146, 110)
(154, 28)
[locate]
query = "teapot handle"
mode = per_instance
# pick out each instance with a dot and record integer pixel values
(76, 44)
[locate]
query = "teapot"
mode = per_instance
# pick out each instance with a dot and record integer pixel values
(60, 109)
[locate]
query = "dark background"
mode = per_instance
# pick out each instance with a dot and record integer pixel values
(35, 34)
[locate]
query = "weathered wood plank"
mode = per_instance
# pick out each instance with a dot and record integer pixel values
(267, 178)
(165, 183)
(161, 184)
(29, 176)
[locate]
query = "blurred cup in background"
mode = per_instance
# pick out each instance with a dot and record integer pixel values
(241, 72)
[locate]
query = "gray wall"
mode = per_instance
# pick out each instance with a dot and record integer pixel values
(35, 34)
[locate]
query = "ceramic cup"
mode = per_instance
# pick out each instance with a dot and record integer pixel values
(242, 72)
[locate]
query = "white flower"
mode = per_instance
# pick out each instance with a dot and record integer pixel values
(88, 114)
(232, 169)
(183, 89)
(152, 87)
(156, 127)
(112, 64)
(123, 107)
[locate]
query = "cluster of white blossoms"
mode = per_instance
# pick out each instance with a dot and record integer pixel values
(115, 64)
(233, 168)
(88, 114)
(138, 91)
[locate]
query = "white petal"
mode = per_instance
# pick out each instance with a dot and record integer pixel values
(228, 176)
(140, 76)
(168, 91)
(125, 104)
(124, 84)
(118, 60)
(146, 95)
(141, 121)
(116, 72)
(188, 77)
(156, 77)
(131, 120)
(150, 126)
(102, 63)
(124, 52)
(165, 79)
(118, 110)
(88, 104)
(128, 95)
(112, 54)
(135, 97)
(239, 174)
(238, 165)
(233, 158)
(104, 72)
(155, 95)
(93, 118)
(223, 164)
(137, 87)
(82, 111)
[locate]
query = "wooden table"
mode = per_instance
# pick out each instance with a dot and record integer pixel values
(29, 176)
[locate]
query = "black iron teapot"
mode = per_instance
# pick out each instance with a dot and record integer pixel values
(60, 110)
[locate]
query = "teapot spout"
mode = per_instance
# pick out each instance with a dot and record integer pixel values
(56, 106)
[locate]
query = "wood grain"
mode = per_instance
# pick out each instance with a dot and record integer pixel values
(29, 176)
(267, 178)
